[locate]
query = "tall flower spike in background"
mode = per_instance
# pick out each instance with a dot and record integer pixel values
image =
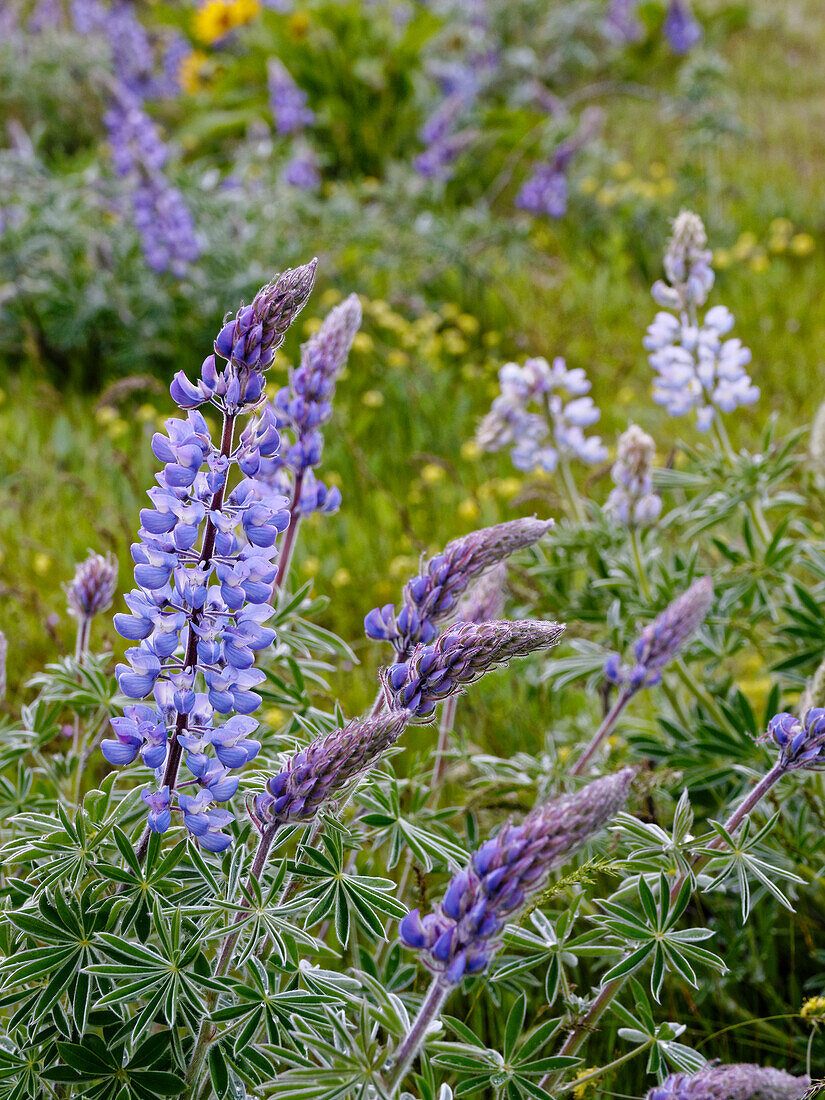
(537, 439)
(633, 502)
(733, 1082)
(462, 655)
(431, 597)
(90, 592)
(464, 932)
(198, 614)
(662, 639)
(696, 369)
(681, 27)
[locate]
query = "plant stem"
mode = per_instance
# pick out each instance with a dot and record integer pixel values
(635, 542)
(444, 730)
(430, 1008)
(700, 692)
(288, 548)
(170, 774)
(600, 1071)
(572, 491)
(206, 1032)
(608, 722)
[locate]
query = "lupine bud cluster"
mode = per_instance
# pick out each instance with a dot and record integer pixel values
(681, 27)
(536, 439)
(198, 611)
(801, 742)
(93, 586)
(464, 932)
(545, 191)
(462, 655)
(662, 639)
(696, 369)
(326, 766)
(633, 501)
(303, 407)
(431, 597)
(734, 1082)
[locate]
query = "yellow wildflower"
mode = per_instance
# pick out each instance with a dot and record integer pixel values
(622, 170)
(362, 342)
(311, 325)
(454, 342)
(468, 324)
(802, 244)
(330, 297)
(469, 509)
(582, 1090)
(450, 310)
(298, 24)
(589, 185)
(311, 566)
(781, 227)
(42, 563)
(759, 262)
(193, 71)
(813, 1009)
(105, 415)
(656, 170)
(744, 246)
(274, 716)
(373, 399)
(397, 358)
(341, 578)
(470, 450)
(431, 474)
(607, 196)
(508, 486)
(491, 339)
(216, 18)
(722, 258)
(667, 187)
(146, 412)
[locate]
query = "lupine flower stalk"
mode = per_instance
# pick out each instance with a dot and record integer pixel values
(287, 101)
(462, 655)
(90, 592)
(681, 27)
(4, 653)
(300, 411)
(537, 440)
(545, 192)
(464, 932)
(198, 614)
(432, 596)
(732, 1082)
(657, 645)
(696, 369)
(633, 501)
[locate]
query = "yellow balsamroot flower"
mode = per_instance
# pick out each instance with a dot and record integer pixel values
(432, 473)
(813, 1009)
(193, 71)
(666, 187)
(298, 24)
(781, 227)
(330, 297)
(450, 310)
(722, 259)
(508, 486)
(216, 18)
(454, 342)
(106, 414)
(802, 244)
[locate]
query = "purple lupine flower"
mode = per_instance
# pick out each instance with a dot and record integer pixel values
(287, 101)
(161, 216)
(544, 193)
(326, 766)
(801, 742)
(662, 639)
(301, 170)
(431, 597)
(621, 21)
(303, 407)
(633, 502)
(198, 615)
(47, 15)
(696, 369)
(93, 586)
(732, 1082)
(462, 655)
(537, 439)
(89, 16)
(465, 931)
(681, 27)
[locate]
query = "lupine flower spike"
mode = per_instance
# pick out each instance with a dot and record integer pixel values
(696, 369)
(462, 655)
(485, 599)
(464, 932)
(733, 1082)
(431, 597)
(326, 766)
(681, 27)
(633, 502)
(537, 439)
(90, 592)
(801, 742)
(198, 614)
(662, 639)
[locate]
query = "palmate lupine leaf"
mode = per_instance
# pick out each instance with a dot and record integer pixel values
(547, 946)
(664, 1051)
(653, 936)
(407, 831)
(105, 1073)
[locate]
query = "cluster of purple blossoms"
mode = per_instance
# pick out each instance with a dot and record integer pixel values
(662, 639)
(681, 27)
(93, 586)
(431, 597)
(326, 766)
(301, 170)
(161, 216)
(200, 603)
(292, 116)
(460, 656)
(544, 193)
(696, 368)
(302, 408)
(633, 501)
(537, 439)
(801, 742)
(622, 22)
(443, 142)
(46, 15)
(741, 1081)
(464, 932)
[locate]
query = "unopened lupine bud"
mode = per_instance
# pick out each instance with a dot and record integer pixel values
(93, 586)
(485, 599)
(633, 501)
(801, 742)
(465, 930)
(662, 639)
(733, 1082)
(462, 655)
(431, 597)
(327, 765)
